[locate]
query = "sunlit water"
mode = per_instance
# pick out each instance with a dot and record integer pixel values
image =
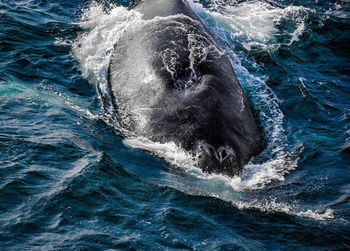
(72, 178)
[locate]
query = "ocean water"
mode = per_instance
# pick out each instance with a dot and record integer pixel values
(72, 179)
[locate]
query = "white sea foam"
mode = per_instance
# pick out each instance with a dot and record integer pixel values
(62, 42)
(258, 24)
(275, 207)
(93, 49)
(169, 151)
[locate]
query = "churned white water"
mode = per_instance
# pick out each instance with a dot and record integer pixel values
(257, 24)
(254, 24)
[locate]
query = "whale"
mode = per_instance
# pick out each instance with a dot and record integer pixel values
(170, 80)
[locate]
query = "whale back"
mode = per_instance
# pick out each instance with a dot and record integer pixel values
(172, 81)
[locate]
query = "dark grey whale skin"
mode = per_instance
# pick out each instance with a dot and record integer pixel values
(203, 108)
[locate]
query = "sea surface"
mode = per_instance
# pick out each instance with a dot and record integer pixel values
(71, 179)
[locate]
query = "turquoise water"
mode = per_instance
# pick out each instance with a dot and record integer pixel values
(70, 180)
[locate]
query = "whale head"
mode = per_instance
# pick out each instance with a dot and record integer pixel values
(208, 121)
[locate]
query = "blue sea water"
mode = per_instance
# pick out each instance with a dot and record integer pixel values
(69, 180)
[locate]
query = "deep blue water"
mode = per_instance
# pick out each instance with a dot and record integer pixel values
(69, 180)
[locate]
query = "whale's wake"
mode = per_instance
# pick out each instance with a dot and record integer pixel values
(93, 49)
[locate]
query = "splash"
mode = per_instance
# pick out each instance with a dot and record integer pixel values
(260, 25)
(94, 47)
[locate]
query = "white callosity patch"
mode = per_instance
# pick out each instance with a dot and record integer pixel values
(170, 58)
(93, 50)
(199, 45)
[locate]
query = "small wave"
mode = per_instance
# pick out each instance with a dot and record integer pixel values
(339, 10)
(169, 151)
(272, 206)
(275, 207)
(64, 99)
